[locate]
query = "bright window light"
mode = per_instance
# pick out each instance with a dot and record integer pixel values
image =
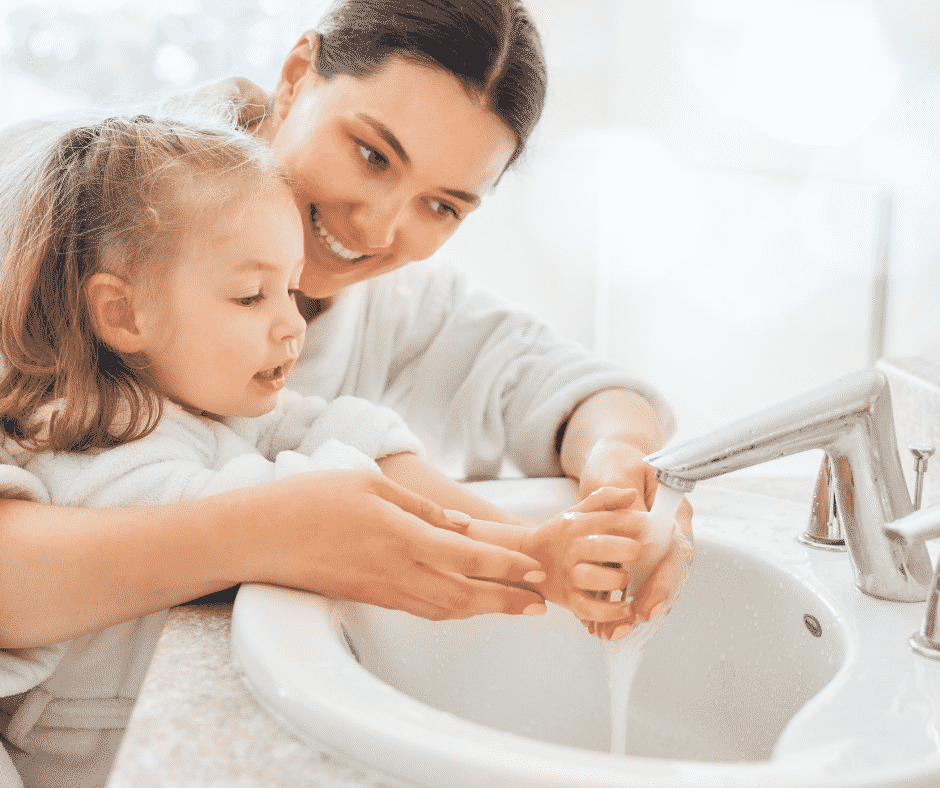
(815, 72)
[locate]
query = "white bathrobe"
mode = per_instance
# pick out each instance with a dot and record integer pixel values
(71, 700)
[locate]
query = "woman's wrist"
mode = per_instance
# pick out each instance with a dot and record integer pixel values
(612, 419)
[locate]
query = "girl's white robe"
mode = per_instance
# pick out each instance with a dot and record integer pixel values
(71, 700)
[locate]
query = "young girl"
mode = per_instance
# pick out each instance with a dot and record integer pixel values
(149, 320)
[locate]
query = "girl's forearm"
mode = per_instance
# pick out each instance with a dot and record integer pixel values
(415, 474)
(70, 571)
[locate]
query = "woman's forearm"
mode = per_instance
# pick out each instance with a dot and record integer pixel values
(69, 571)
(614, 415)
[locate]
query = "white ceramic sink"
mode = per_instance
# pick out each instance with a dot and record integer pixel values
(771, 670)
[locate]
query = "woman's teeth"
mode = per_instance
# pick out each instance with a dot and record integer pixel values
(333, 245)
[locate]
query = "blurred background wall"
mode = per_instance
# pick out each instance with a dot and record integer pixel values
(737, 198)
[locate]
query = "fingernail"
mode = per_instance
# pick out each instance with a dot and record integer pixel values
(535, 609)
(535, 576)
(622, 631)
(457, 518)
(655, 610)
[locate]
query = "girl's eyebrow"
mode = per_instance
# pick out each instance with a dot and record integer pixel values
(255, 265)
(392, 141)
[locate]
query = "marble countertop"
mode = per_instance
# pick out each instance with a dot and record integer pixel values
(195, 725)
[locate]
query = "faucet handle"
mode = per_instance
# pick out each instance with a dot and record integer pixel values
(916, 527)
(921, 452)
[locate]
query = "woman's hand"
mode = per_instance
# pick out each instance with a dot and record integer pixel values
(360, 536)
(663, 585)
(250, 101)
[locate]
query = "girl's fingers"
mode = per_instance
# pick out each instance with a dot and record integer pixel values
(591, 577)
(606, 548)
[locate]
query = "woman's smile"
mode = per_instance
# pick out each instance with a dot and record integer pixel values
(330, 242)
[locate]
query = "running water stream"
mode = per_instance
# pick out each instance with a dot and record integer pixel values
(623, 656)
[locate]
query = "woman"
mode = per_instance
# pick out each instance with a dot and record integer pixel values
(394, 121)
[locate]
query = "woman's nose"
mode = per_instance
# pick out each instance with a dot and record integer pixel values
(376, 221)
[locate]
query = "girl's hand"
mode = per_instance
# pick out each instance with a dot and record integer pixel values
(358, 535)
(581, 550)
(613, 461)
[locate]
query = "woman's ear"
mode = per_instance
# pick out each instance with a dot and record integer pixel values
(111, 306)
(297, 66)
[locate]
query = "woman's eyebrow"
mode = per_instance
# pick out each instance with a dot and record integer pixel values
(462, 195)
(392, 141)
(386, 134)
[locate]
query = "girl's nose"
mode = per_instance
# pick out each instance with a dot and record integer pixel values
(290, 323)
(376, 221)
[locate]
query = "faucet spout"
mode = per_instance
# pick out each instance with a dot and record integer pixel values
(852, 421)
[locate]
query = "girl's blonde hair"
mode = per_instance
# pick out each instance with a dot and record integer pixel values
(111, 196)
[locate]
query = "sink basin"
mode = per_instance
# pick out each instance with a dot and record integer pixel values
(771, 670)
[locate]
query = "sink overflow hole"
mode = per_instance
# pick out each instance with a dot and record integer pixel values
(813, 625)
(349, 643)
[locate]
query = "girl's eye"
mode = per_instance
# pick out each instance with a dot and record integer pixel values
(443, 209)
(249, 300)
(373, 157)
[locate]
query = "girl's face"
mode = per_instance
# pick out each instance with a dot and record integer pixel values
(384, 167)
(225, 330)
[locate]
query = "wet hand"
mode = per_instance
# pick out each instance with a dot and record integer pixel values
(582, 551)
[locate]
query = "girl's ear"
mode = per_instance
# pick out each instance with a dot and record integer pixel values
(297, 67)
(111, 305)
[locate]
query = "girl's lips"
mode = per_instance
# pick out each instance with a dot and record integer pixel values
(275, 378)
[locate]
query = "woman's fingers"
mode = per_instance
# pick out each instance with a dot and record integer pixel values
(607, 499)
(589, 608)
(419, 506)
(447, 551)
(463, 597)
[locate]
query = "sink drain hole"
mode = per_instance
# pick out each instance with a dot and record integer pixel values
(813, 625)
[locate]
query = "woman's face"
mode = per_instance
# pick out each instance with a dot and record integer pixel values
(384, 167)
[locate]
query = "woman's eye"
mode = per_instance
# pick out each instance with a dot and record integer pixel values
(373, 157)
(249, 300)
(443, 209)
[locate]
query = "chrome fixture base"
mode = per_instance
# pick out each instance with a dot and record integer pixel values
(924, 646)
(822, 543)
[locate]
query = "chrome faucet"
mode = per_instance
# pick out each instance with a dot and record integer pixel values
(851, 420)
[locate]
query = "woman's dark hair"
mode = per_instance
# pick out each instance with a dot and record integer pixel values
(111, 196)
(491, 46)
